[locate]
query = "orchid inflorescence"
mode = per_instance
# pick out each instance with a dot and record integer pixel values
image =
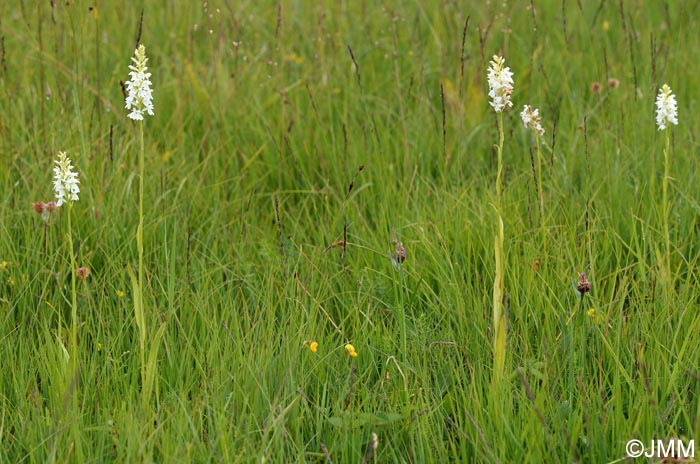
(139, 93)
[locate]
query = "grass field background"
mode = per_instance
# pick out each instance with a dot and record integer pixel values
(284, 128)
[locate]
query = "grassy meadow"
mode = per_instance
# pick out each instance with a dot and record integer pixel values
(297, 149)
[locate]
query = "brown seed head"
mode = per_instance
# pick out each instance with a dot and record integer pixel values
(399, 253)
(50, 206)
(613, 83)
(584, 286)
(596, 87)
(82, 272)
(38, 206)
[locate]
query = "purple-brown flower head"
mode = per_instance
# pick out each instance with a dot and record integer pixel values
(82, 272)
(584, 286)
(38, 206)
(399, 255)
(45, 210)
(400, 252)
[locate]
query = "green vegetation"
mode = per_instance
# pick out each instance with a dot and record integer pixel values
(295, 148)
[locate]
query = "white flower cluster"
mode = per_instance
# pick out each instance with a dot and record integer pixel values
(666, 108)
(139, 96)
(65, 180)
(531, 119)
(500, 84)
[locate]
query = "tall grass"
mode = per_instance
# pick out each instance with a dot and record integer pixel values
(258, 104)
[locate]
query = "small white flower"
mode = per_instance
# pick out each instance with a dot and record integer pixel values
(500, 84)
(531, 119)
(65, 180)
(666, 108)
(139, 96)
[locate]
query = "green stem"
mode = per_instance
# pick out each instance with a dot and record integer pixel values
(499, 175)
(540, 193)
(74, 306)
(402, 302)
(75, 366)
(572, 324)
(571, 363)
(666, 208)
(139, 245)
(499, 335)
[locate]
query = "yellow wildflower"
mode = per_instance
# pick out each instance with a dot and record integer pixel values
(312, 345)
(120, 293)
(3, 265)
(595, 317)
(351, 350)
(294, 57)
